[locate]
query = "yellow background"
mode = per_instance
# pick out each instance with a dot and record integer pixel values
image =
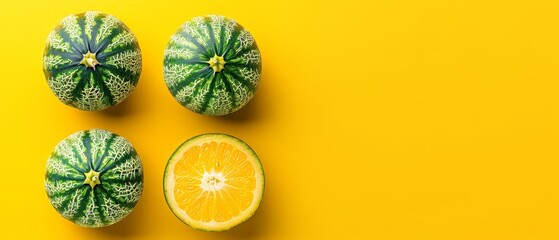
(374, 119)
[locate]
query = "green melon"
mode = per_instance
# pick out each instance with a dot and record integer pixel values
(212, 65)
(92, 61)
(94, 178)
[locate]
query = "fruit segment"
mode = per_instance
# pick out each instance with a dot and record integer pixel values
(213, 182)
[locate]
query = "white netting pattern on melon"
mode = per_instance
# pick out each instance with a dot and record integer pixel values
(203, 36)
(174, 74)
(52, 61)
(91, 215)
(108, 24)
(197, 100)
(66, 149)
(179, 40)
(55, 166)
(119, 87)
(129, 192)
(185, 93)
(130, 169)
(217, 23)
(245, 40)
(113, 212)
(119, 148)
(74, 204)
(230, 26)
(53, 187)
(63, 85)
(57, 201)
(122, 39)
(99, 140)
(173, 52)
(92, 98)
(192, 29)
(54, 40)
(90, 22)
(221, 102)
(243, 94)
(130, 60)
(253, 57)
(70, 26)
(251, 75)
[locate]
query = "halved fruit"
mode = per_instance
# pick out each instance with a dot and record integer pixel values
(213, 182)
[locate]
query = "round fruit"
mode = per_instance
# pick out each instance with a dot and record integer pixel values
(94, 178)
(92, 61)
(212, 65)
(213, 182)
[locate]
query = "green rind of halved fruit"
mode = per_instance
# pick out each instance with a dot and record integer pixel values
(212, 65)
(92, 61)
(213, 182)
(94, 178)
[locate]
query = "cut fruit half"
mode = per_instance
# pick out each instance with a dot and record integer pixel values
(213, 182)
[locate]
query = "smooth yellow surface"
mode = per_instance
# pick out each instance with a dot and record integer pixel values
(374, 119)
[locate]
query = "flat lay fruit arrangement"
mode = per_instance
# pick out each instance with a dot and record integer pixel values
(212, 66)
(442, 124)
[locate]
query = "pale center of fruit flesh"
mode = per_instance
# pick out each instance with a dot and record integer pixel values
(89, 60)
(92, 178)
(217, 63)
(212, 181)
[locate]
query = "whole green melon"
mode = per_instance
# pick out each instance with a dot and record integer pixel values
(212, 65)
(92, 61)
(94, 178)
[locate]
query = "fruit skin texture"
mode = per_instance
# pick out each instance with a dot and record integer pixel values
(94, 178)
(169, 175)
(212, 65)
(92, 61)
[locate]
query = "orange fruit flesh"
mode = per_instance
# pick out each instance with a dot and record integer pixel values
(214, 181)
